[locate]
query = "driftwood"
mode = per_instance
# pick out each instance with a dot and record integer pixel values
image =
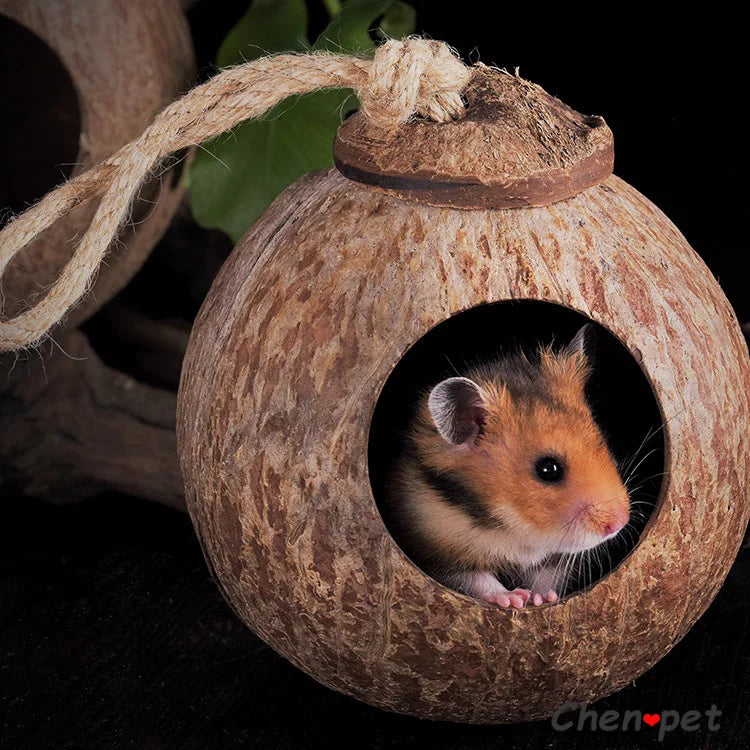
(72, 428)
(150, 350)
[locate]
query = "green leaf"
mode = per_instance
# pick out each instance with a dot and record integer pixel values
(268, 26)
(241, 172)
(236, 176)
(349, 30)
(333, 7)
(399, 21)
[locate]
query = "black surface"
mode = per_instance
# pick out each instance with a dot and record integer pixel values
(113, 635)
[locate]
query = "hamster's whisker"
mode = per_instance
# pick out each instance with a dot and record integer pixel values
(453, 367)
(658, 474)
(595, 562)
(635, 505)
(632, 471)
(626, 463)
(587, 558)
(632, 535)
(636, 489)
(651, 501)
(564, 573)
(650, 434)
(638, 515)
(609, 559)
(570, 563)
(624, 466)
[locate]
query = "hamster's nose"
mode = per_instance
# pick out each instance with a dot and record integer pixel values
(616, 522)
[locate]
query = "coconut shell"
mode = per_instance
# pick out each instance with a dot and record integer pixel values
(515, 146)
(316, 305)
(126, 62)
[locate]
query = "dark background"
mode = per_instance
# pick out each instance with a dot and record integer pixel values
(112, 633)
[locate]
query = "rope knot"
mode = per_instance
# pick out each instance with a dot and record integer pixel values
(414, 76)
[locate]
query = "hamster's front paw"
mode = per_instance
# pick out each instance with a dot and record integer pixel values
(484, 585)
(516, 598)
(550, 596)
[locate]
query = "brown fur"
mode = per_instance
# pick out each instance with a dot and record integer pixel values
(533, 408)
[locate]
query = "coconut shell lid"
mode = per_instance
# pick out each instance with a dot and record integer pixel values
(515, 146)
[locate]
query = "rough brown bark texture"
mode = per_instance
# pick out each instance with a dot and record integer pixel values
(127, 61)
(515, 146)
(300, 331)
(73, 428)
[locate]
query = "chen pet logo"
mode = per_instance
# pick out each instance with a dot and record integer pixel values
(612, 720)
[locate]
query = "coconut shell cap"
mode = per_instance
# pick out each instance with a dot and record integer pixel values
(515, 146)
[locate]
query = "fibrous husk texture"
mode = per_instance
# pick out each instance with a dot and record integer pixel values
(289, 353)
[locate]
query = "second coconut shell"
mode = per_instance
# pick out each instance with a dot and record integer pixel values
(86, 78)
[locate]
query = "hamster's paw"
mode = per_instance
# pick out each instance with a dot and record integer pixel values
(550, 596)
(516, 598)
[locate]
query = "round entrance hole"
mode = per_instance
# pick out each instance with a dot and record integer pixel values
(42, 126)
(618, 393)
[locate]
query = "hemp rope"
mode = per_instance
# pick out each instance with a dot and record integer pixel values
(405, 78)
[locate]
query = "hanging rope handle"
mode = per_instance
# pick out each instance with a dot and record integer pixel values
(413, 76)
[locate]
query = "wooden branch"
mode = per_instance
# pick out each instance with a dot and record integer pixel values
(151, 350)
(72, 428)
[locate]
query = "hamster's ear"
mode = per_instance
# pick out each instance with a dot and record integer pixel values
(457, 409)
(583, 343)
(571, 367)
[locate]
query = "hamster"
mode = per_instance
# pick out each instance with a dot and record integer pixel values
(505, 473)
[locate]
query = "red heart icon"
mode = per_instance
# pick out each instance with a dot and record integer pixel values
(651, 719)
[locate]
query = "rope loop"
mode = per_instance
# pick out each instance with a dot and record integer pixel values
(405, 78)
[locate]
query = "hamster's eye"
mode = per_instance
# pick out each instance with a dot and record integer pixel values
(549, 470)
